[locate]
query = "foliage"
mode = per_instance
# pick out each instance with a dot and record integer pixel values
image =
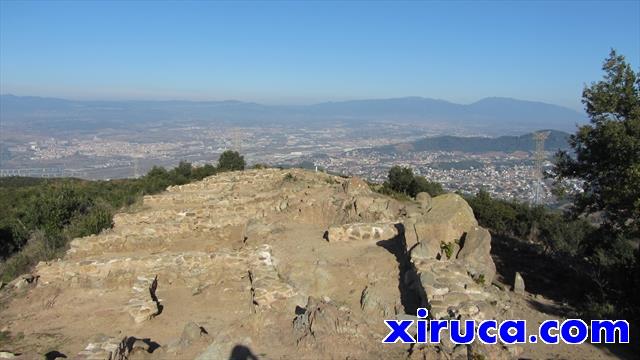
(607, 160)
(421, 184)
(260, 166)
(556, 232)
(598, 255)
(290, 177)
(607, 151)
(447, 248)
(38, 217)
(386, 190)
(401, 180)
(231, 161)
(480, 280)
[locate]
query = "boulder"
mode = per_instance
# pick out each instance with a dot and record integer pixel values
(518, 284)
(354, 186)
(424, 199)
(476, 254)
(425, 250)
(450, 217)
(410, 235)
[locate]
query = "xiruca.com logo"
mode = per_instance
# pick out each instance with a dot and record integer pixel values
(570, 331)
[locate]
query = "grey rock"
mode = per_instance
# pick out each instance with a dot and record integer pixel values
(214, 351)
(425, 249)
(191, 332)
(476, 255)
(424, 199)
(518, 284)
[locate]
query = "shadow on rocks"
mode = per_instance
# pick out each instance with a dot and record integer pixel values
(409, 298)
(241, 352)
(52, 355)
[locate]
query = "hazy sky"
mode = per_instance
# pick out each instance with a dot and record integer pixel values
(301, 52)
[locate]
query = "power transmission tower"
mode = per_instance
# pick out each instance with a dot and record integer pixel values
(539, 138)
(237, 140)
(136, 169)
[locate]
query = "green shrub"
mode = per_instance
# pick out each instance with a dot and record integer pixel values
(231, 161)
(447, 248)
(38, 217)
(401, 180)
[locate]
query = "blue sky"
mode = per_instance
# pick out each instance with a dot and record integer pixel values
(304, 52)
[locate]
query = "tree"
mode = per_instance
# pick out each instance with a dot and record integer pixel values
(184, 169)
(202, 172)
(400, 179)
(230, 161)
(607, 151)
(421, 184)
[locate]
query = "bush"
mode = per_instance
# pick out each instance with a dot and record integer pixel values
(421, 184)
(401, 180)
(39, 247)
(38, 217)
(231, 161)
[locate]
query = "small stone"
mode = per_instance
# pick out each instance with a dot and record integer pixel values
(191, 332)
(140, 345)
(518, 284)
(515, 350)
(459, 353)
(20, 283)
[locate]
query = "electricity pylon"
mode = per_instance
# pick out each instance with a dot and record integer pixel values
(539, 138)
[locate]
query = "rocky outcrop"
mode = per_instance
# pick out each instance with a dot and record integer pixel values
(273, 262)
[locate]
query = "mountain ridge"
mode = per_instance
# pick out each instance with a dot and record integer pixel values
(492, 112)
(557, 140)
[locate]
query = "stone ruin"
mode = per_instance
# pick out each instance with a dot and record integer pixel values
(273, 264)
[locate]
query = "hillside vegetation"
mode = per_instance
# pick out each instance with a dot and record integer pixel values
(38, 217)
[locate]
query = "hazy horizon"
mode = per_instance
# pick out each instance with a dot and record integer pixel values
(170, 99)
(306, 53)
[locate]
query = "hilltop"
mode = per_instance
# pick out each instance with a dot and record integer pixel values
(557, 140)
(268, 264)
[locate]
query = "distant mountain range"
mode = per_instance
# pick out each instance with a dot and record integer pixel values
(507, 115)
(557, 140)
